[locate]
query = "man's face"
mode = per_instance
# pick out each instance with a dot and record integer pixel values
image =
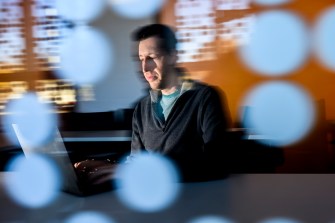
(155, 63)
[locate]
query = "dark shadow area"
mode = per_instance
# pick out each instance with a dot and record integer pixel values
(97, 121)
(7, 153)
(98, 135)
(250, 156)
(247, 156)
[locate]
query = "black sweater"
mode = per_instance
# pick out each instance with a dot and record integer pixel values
(193, 135)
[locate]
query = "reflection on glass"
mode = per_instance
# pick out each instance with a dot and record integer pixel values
(36, 120)
(278, 44)
(148, 183)
(30, 40)
(48, 30)
(34, 182)
(80, 11)
(324, 38)
(89, 217)
(206, 29)
(211, 219)
(11, 90)
(86, 56)
(61, 93)
(136, 9)
(279, 113)
(271, 2)
(12, 50)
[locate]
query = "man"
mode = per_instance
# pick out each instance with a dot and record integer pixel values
(182, 119)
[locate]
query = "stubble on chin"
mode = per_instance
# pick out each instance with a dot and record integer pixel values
(154, 86)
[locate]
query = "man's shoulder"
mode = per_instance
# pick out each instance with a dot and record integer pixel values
(198, 85)
(206, 90)
(143, 100)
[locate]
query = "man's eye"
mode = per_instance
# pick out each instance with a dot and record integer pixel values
(148, 58)
(151, 58)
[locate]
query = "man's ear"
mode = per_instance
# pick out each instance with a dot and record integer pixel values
(173, 57)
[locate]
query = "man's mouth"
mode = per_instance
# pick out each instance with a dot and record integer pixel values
(151, 77)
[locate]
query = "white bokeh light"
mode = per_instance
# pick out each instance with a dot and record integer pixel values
(82, 11)
(33, 182)
(136, 9)
(86, 56)
(279, 113)
(324, 33)
(211, 219)
(148, 183)
(279, 43)
(36, 120)
(89, 217)
(271, 2)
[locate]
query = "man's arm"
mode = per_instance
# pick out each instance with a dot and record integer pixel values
(215, 117)
(215, 123)
(94, 171)
(136, 141)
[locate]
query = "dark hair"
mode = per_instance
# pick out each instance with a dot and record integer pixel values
(164, 32)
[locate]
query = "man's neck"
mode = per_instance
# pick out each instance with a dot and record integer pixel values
(170, 90)
(173, 86)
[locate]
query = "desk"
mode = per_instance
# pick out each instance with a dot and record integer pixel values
(113, 144)
(97, 136)
(247, 198)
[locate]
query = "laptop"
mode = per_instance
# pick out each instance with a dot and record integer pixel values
(56, 150)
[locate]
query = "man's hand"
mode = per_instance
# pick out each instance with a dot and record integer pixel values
(95, 172)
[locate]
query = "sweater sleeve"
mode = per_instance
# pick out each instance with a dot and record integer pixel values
(136, 141)
(215, 122)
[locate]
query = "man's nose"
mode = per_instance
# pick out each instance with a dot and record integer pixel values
(148, 65)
